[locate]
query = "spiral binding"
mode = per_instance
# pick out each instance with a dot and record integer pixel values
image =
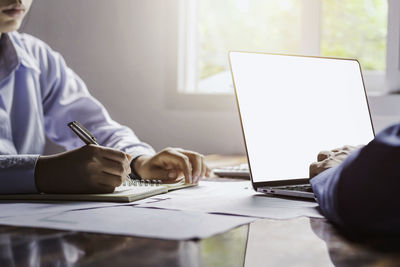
(142, 182)
(136, 180)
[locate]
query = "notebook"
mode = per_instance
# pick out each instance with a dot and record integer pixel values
(121, 194)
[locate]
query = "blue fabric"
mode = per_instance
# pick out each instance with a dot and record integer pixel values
(39, 95)
(361, 194)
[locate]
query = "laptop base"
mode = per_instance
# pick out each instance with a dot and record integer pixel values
(296, 191)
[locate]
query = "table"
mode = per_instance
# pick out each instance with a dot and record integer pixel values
(296, 242)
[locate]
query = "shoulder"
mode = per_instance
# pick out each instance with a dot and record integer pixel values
(32, 50)
(27, 42)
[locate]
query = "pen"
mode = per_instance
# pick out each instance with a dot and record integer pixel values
(88, 139)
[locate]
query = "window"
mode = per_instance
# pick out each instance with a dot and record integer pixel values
(336, 28)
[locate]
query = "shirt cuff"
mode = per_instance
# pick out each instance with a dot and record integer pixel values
(135, 153)
(324, 186)
(139, 151)
(17, 174)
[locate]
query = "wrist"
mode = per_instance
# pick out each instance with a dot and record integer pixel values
(137, 166)
(39, 175)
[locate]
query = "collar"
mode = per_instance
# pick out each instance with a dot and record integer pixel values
(12, 55)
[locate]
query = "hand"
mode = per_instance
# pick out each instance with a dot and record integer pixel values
(89, 169)
(329, 159)
(171, 164)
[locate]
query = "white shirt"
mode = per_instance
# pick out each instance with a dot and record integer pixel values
(39, 95)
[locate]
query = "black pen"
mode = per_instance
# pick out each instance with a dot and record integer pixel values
(88, 138)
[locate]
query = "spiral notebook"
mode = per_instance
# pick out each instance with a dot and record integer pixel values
(121, 194)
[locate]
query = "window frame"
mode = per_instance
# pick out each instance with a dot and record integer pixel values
(176, 66)
(392, 75)
(183, 51)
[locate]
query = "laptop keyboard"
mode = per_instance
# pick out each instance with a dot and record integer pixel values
(236, 171)
(242, 171)
(240, 167)
(301, 187)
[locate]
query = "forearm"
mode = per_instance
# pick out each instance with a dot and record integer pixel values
(122, 138)
(66, 98)
(361, 193)
(325, 190)
(17, 174)
(91, 113)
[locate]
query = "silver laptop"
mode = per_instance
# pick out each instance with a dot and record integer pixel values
(291, 108)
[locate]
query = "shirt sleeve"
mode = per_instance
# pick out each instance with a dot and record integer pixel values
(66, 98)
(361, 193)
(16, 171)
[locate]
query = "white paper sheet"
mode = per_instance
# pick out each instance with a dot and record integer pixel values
(125, 220)
(17, 208)
(236, 198)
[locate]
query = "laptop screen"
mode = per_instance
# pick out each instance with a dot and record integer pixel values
(293, 107)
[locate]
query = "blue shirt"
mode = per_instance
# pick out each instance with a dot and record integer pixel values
(362, 193)
(39, 95)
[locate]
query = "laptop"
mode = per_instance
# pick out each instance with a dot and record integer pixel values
(291, 108)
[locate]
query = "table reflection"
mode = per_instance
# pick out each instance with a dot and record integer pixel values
(20, 246)
(349, 248)
(300, 242)
(316, 242)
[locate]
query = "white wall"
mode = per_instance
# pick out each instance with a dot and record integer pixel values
(118, 48)
(385, 110)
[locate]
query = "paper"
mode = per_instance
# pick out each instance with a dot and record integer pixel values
(121, 194)
(25, 207)
(18, 208)
(125, 220)
(236, 198)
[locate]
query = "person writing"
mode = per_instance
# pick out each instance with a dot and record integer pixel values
(39, 95)
(357, 187)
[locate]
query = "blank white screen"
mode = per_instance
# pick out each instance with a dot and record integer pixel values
(293, 107)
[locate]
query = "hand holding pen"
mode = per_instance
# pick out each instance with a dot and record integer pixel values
(90, 169)
(89, 139)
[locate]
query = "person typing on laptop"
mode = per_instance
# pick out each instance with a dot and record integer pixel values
(39, 95)
(357, 187)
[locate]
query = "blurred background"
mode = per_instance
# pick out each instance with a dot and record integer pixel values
(161, 66)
